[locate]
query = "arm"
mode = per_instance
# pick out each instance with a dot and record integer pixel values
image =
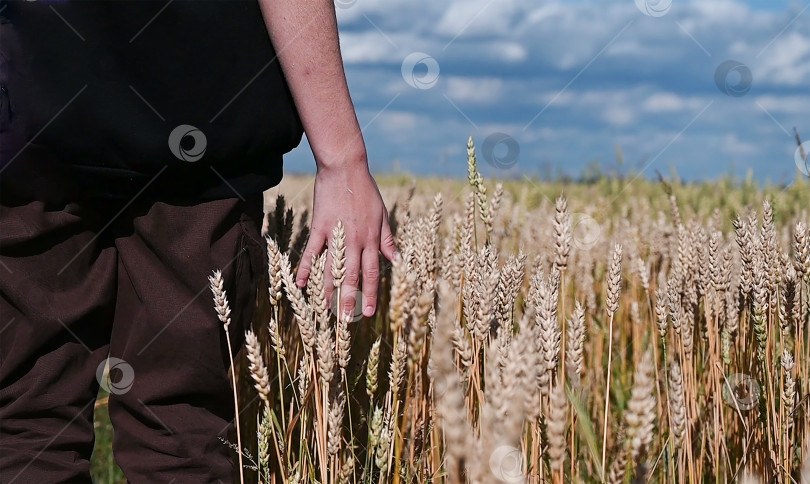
(304, 33)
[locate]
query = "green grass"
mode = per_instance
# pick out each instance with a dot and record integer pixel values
(102, 465)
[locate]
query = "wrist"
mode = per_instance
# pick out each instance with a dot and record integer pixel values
(343, 160)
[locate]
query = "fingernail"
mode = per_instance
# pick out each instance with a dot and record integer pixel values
(369, 311)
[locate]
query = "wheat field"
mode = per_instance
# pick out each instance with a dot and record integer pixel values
(618, 331)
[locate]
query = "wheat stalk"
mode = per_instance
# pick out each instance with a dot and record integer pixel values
(612, 305)
(471, 346)
(217, 285)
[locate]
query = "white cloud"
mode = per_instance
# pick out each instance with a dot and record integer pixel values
(733, 145)
(720, 12)
(619, 115)
(399, 121)
(478, 17)
(787, 60)
(477, 90)
(503, 61)
(662, 102)
(507, 51)
(793, 105)
(366, 47)
(668, 102)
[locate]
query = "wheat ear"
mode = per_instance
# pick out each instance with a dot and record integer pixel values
(614, 282)
(258, 370)
(641, 409)
(224, 313)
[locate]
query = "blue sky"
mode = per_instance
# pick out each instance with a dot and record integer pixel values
(555, 86)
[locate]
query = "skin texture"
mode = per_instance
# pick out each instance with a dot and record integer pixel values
(304, 33)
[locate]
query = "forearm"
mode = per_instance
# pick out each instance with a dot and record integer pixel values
(304, 33)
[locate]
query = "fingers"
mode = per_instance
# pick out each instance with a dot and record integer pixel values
(313, 248)
(351, 280)
(327, 275)
(387, 245)
(371, 278)
(362, 259)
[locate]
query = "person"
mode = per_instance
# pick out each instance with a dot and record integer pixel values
(136, 139)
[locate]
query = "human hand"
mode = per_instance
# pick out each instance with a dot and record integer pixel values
(350, 194)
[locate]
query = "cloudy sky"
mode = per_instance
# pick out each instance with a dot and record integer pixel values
(705, 87)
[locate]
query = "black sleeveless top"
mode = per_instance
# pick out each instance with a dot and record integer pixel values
(173, 98)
